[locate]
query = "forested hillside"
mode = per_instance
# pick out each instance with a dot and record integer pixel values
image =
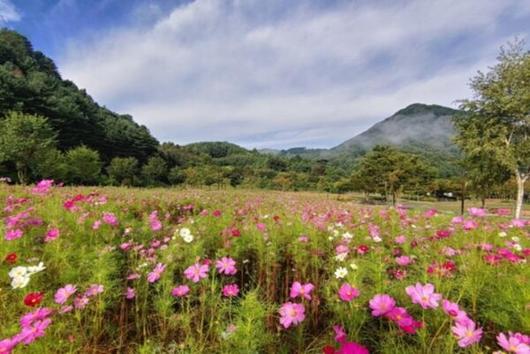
(30, 83)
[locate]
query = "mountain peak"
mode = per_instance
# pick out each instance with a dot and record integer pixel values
(421, 108)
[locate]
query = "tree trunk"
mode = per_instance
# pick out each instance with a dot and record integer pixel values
(521, 179)
(463, 200)
(393, 198)
(483, 202)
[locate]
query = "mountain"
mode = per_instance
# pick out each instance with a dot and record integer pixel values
(415, 126)
(31, 83)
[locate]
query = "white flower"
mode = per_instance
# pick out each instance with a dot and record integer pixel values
(347, 236)
(341, 272)
(18, 272)
(341, 256)
(330, 238)
(35, 269)
(515, 239)
(188, 238)
(354, 266)
(184, 232)
(335, 233)
(377, 239)
(502, 234)
(517, 247)
(20, 282)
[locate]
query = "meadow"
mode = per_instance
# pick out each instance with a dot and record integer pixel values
(119, 270)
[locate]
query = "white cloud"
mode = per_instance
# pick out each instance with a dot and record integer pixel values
(264, 73)
(8, 12)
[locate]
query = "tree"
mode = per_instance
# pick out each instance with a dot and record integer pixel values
(24, 139)
(496, 122)
(123, 170)
(83, 165)
(388, 171)
(176, 176)
(155, 171)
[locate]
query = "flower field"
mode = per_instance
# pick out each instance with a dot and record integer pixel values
(115, 270)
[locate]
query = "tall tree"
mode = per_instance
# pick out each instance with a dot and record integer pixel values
(24, 140)
(388, 171)
(496, 122)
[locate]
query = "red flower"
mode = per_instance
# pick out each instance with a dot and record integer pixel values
(11, 258)
(33, 299)
(362, 249)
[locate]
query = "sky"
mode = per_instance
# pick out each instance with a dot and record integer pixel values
(268, 73)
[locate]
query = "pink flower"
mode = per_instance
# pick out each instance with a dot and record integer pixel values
(130, 293)
(94, 290)
(514, 343)
(62, 295)
(29, 334)
(13, 234)
(43, 187)
(302, 290)
(381, 304)
(424, 295)
(96, 224)
(196, 272)
(348, 293)
(470, 225)
(430, 213)
(7, 345)
(351, 348)
(477, 212)
(400, 239)
(156, 273)
(80, 302)
(340, 334)
(451, 308)
(110, 219)
(154, 222)
(303, 239)
(51, 235)
(180, 291)
(226, 265)
(457, 220)
(230, 290)
(291, 314)
(466, 333)
(37, 315)
(403, 260)
(261, 227)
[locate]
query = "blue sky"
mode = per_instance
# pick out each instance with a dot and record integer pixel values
(268, 73)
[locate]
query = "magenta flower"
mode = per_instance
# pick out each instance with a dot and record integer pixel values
(94, 290)
(153, 276)
(51, 235)
(466, 333)
(62, 295)
(37, 315)
(130, 293)
(340, 334)
(291, 314)
(196, 272)
(403, 260)
(477, 212)
(230, 290)
(351, 348)
(226, 265)
(7, 345)
(424, 295)
(452, 309)
(29, 334)
(180, 291)
(381, 304)
(154, 222)
(348, 293)
(110, 219)
(13, 234)
(302, 290)
(80, 302)
(470, 225)
(514, 343)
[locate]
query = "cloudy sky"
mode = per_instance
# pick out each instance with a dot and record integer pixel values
(268, 73)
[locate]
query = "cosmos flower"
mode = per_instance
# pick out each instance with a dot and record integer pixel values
(291, 314)
(196, 272)
(226, 265)
(424, 295)
(302, 290)
(347, 292)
